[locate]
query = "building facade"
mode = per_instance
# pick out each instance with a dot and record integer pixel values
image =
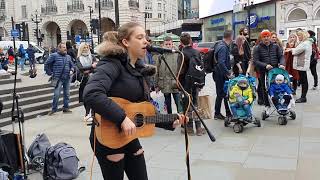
(188, 9)
(262, 16)
(158, 12)
(293, 14)
(61, 20)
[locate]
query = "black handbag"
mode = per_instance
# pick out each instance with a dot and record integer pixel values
(53, 81)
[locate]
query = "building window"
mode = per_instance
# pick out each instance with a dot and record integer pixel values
(148, 5)
(24, 11)
(50, 3)
(148, 15)
(159, 6)
(2, 4)
(159, 15)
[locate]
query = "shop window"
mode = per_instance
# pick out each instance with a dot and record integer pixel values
(297, 14)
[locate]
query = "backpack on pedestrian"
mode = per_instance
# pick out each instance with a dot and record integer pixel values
(210, 61)
(196, 71)
(38, 149)
(61, 163)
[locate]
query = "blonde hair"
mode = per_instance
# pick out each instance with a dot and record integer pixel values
(304, 34)
(81, 47)
(295, 41)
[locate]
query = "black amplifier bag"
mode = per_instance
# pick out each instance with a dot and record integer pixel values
(9, 153)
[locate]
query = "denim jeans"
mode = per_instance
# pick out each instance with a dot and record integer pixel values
(65, 84)
(21, 63)
(235, 106)
(177, 99)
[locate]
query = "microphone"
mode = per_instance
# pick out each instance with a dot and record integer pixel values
(160, 50)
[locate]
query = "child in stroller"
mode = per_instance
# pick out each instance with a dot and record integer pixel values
(241, 96)
(280, 92)
(279, 95)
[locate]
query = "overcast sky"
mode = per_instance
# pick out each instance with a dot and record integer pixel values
(211, 7)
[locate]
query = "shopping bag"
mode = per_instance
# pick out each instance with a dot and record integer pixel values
(204, 107)
(157, 99)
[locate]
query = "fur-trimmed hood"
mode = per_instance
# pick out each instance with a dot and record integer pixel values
(110, 49)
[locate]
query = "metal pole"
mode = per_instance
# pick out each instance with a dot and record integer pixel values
(91, 28)
(100, 27)
(116, 11)
(27, 33)
(249, 21)
(145, 20)
(37, 29)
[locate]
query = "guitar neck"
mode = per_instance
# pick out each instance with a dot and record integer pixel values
(160, 118)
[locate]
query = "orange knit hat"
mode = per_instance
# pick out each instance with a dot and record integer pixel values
(265, 33)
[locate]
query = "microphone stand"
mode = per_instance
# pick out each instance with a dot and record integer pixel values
(17, 113)
(212, 138)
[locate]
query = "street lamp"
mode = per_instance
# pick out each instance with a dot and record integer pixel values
(36, 20)
(248, 6)
(91, 28)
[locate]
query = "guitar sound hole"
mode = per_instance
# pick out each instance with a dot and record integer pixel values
(139, 120)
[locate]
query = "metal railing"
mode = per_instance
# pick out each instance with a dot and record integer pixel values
(133, 4)
(49, 9)
(76, 7)
(105, 4)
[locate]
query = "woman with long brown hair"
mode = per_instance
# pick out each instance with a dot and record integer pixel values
(292, 43)
(238, 54)
(118, 74)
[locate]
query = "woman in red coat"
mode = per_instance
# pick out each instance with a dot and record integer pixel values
(292, 43)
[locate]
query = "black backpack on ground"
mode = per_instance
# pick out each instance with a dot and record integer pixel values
(196, 71)
(61, 163)
(38, 149)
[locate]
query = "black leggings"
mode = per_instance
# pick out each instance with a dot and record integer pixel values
(133, 165)
(81, 88)
(313, 68)
(304, 82)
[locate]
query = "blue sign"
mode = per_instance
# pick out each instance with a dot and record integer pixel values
(77, 38)
(254, 20)
(217, 21)
(15, 33)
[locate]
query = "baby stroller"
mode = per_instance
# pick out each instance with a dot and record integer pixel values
(241, 118)
(282, 110)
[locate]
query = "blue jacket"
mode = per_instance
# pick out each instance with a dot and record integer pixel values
(54, 65)
(276, 89)
(223, 57)
(31, 52)
(22, 51)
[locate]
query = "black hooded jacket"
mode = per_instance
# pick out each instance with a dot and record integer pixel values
(115, 77)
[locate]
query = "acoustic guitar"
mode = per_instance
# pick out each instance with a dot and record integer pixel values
(142, 114)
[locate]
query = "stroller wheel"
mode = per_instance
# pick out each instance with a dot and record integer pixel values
(293, 115)
(282, 120)
(264, 115)
(226, 122)
(238, 128)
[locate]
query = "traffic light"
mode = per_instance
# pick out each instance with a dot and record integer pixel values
(35, 33)
(18, 28)
(23, 30)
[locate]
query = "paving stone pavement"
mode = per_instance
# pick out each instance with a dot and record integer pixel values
(275, 152)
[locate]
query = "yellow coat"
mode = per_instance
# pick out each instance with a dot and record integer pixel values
(246, 94)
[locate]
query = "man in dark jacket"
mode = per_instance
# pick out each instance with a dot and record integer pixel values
(267, 55)
(246, 49)
(222, 73)
(31, 52)
(71, 52)
(187, 81)
(59, 65)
